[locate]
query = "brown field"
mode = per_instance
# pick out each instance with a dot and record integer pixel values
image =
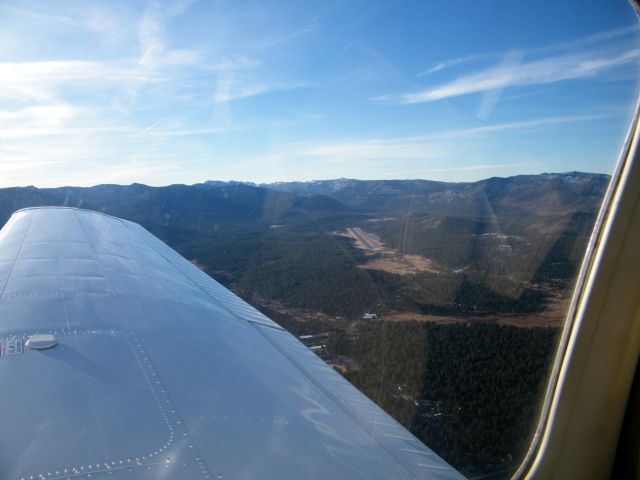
(527, 321)
(400, 264)
(553, 316)
(419, 317)
(300, 314)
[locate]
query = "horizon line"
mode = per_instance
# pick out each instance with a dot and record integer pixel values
(261, 184)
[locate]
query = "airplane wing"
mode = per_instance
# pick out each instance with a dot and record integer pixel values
(158, 371)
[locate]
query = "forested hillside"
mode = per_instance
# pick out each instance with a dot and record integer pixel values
(450, 387)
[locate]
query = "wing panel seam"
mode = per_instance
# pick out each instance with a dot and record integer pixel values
(26, 231)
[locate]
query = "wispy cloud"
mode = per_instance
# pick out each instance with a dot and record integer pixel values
(425, 145)
(501, 127)
(151, 127)
(187, 132)
(293, 35)
(580, 43)
(154, 51)
(39, 81)
(371, 150)
(475, 167)
(486, 168)
(536, 72)
(31, 132)
(88, 159)
(452, 62)
(41, 115)
(454, 155)
(581, 58)
(230, 87)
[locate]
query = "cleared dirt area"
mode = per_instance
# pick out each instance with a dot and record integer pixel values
(418, 317)
(542, 319)
(299, 314)
(387, 259)
(401, 264)
(553, 316)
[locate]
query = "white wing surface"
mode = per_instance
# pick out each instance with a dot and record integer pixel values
(160, 372)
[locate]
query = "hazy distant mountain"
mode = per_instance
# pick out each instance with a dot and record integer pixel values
(178, 206)
(548, 192)
(236, 202)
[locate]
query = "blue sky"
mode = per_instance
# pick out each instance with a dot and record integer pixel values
(181, 92)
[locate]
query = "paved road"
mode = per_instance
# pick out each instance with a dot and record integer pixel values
(365, 238)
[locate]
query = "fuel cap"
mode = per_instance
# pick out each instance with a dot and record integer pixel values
(41, 342)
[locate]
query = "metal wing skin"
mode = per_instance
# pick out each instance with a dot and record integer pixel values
(160, 372)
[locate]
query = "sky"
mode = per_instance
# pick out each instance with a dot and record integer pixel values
(187, 91)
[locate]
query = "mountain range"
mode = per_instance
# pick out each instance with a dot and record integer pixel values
(444, 247)
(237, 202)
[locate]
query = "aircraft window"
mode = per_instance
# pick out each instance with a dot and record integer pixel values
(407, 187)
